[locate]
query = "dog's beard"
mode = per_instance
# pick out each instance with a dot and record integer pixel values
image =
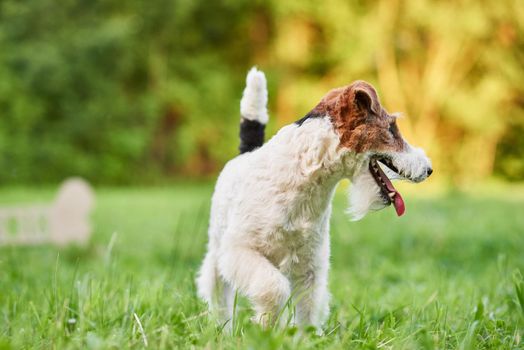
(364, 196)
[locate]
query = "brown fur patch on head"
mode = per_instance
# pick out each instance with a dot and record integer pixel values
(359, 119)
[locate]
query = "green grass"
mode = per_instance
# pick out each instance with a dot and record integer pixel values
(447, 275)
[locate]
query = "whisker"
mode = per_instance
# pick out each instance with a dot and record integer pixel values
(397, 115)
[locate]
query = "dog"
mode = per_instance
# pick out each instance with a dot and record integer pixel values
(269, 221)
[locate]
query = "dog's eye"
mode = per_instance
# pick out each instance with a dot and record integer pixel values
(392, 128)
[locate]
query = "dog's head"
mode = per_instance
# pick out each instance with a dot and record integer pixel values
(367, 129)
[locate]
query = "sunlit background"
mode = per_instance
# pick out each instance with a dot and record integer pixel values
(141, 99)
(136, 92)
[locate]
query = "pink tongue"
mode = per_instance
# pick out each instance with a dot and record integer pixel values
(398, 202)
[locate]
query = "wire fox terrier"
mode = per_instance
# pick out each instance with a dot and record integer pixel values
(269, 226)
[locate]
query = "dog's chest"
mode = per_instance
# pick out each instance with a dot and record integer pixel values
(292, 249)
(296, 236)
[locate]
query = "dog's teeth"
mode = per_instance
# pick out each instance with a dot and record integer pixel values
(391, 195)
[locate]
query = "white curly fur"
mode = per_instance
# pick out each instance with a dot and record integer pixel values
(269, 225)
(253, 105)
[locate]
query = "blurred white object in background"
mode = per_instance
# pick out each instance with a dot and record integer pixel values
(63, 222)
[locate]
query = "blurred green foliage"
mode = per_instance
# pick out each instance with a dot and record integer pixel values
(138, 91)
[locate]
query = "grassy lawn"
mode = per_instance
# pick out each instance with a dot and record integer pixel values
(446, 275)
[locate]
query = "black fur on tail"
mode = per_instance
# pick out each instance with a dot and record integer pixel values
(251, 135)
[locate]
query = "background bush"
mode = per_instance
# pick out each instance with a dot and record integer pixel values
(137, 91)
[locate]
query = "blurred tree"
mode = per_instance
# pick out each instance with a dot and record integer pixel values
(119, 92)
(454, 68)
(135, 91)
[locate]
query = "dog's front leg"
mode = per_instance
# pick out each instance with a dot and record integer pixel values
(311, 300)
(254, 276)
(310, 289)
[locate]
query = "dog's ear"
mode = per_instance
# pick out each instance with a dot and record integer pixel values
(357, 97)
(365, 97)
(362, 100)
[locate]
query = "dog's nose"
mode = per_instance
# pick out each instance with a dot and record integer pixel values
(429, 171)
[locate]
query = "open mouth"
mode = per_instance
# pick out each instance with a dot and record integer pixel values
(387, 191)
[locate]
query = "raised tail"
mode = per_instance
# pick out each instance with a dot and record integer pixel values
(253, 109)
